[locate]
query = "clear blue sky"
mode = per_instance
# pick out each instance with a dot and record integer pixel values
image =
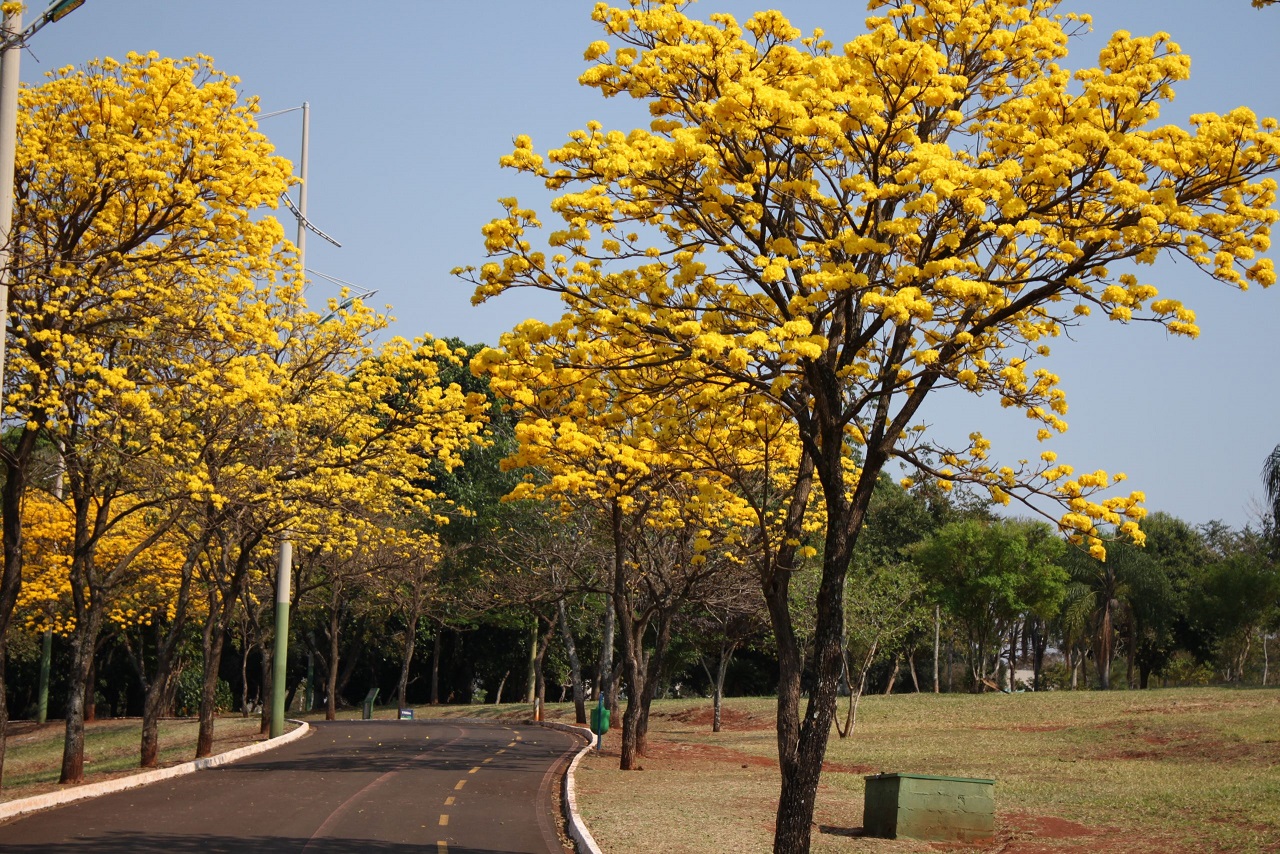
(413, 101)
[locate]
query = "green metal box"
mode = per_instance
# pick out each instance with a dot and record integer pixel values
(921, 806)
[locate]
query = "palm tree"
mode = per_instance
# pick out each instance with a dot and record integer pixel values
(1271, 481)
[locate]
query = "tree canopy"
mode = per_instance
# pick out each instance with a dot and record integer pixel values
(843, 230)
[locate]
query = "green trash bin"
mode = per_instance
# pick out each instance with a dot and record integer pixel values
(600, 720)
(367, 711)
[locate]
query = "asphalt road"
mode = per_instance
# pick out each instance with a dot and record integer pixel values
(375, 787)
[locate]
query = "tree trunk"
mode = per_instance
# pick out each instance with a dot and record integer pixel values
(16, 463)
(540, 694)
(531, 682)
(893, 674)
(331, 678)
(221, 609)
(88, 606)
(157, 689)
(937, 637)
(652, 677)
(410, 643)
(265, 675)
(1131, 653)
(46, 666)
(1039, 645)
(855, 694)
(717, 699)
(497, 699)
(575, 665)
(83, 646)
(91, 686)
(149, 751)
(633, 671)
(802, 742)
(951, 666)
(211, 642)
(632, 646)
(1103, 664)
(722, 669)
(796, 741)
(604, 666)
(435, 665)
(1013, 659)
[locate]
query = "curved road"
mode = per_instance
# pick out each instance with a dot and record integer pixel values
(375, 787)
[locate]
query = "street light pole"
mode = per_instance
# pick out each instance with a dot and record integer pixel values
(10, 60)
(284, 567)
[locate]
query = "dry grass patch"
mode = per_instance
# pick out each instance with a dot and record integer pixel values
(1188, 770)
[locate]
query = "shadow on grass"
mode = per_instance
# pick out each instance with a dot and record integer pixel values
(849, 832)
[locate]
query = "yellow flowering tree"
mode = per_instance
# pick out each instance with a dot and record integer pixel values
(134, 234)
(354, 428)
(846, 229)
(590, 441)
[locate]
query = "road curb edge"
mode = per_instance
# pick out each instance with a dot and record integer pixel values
(577, 828)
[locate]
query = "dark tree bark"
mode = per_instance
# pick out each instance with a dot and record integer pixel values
(606, 683)
(543, 642)
(723, 658)
(435, 665)
(802, 741)
(16, 466)
(222, 600)
(331, 683)
(83, 646)
(575, 665)
(406, 659)
(153, 704)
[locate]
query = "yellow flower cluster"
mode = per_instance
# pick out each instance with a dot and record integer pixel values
(848, 230)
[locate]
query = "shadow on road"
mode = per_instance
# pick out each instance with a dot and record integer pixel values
(139, 843)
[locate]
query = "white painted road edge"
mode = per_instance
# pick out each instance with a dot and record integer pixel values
(92, 790)
(576, 826)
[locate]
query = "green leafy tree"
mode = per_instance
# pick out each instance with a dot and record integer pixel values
(989, 575)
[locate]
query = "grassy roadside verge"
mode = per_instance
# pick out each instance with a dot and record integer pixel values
(1188, 770)
(33, 756)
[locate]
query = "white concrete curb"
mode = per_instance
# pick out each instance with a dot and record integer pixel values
(92, 790)
(576, 826)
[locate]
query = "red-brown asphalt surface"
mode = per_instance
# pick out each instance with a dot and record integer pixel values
(375, 787)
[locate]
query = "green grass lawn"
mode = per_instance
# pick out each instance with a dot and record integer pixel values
(1183, 770)
(33, 754)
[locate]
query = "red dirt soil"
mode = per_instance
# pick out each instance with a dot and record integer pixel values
(1016, 832)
